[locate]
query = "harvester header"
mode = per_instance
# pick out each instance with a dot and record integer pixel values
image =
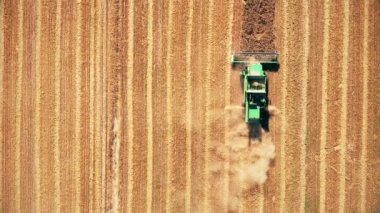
(248, 58)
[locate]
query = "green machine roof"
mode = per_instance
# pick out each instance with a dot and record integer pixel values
(254, 114)
(256, 69)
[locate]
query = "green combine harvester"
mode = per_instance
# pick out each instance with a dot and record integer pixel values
(253, 66)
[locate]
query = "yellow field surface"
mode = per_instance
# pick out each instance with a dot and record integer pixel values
(119, 106)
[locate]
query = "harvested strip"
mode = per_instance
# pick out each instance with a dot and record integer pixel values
(37, 125)
(85, 164)
(115, 202)
(130, 79)
(57, 111)
(343, 121)
(149, 108)
(1, 98)
(114, 106)
(104, 78)
(27, 181)
(9, 109)
(122, 21)
(179, 113)
(159, 105)
(373, 157)
(334, 106)
(227, 89)
(67, 119)
(313, 125)
(198, 106)
(323, 139)
(284, 95)
(354, 96)
(98, 111)
(206, 188)
(78, 97)
(92, 107)
(189, 107)
(140, 109)
(218, 193)
(46, 103)
(292, 113)
(365, 106)
(304, 105)
(169, 106)
(19, 75)
(20, 67)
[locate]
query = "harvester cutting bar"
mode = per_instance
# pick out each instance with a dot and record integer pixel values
(255, 57)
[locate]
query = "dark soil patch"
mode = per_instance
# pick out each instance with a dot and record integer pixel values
(258, 29)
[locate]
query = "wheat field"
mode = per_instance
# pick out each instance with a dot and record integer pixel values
(118, 106)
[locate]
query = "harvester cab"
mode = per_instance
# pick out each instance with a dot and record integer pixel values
(253, 66)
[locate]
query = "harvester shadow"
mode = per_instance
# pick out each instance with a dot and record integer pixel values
(271, 67)
(256, 130)
(268, 67)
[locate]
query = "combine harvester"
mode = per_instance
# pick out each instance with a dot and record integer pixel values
(253, 67)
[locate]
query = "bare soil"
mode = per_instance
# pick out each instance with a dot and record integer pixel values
(258, 32)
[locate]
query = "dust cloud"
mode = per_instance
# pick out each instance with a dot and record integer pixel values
(241, 160)
(115, 147)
